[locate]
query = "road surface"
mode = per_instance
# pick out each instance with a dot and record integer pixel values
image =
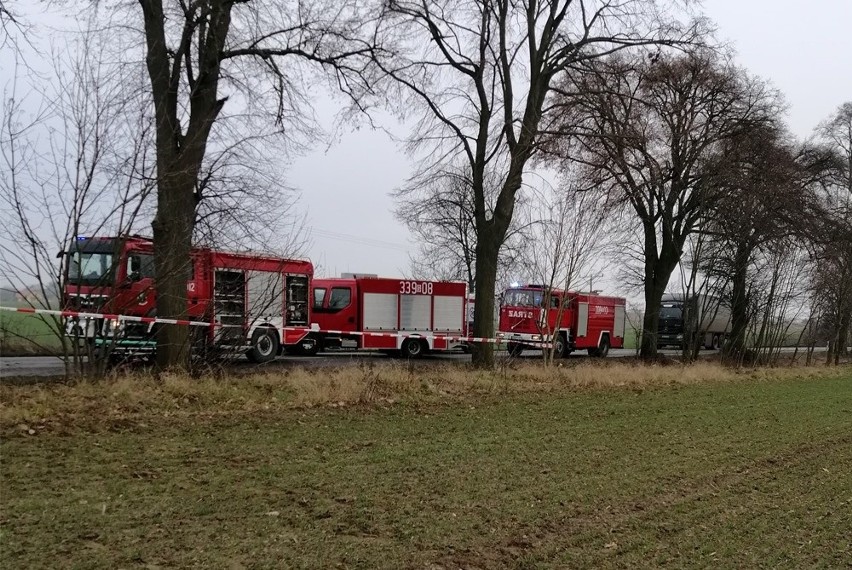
(45, 367)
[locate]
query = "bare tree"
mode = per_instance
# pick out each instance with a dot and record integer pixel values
(762, 189)
(835, 230)
(441, 215)
(832, 274)
(253, 50)
(10, 25)
(444, 226)
(634, 316)
(243, 202)
(648, 130)
(837, 132)
(563, 250)
(479, 75)
(778, 299)
(78, 164)
(6, 14)
(700, 281)
(19, 34)
(90, 183)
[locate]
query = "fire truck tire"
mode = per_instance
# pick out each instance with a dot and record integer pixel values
(515, 349)
(601, 351)
(309, 346)
(413, 348)
(560, 347)
(101, 354)
(264, 345)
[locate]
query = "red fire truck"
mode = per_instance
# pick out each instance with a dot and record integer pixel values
(254, 303)
(571, 320)
(398, 316)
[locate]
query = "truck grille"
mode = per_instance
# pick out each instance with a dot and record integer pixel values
(134, 330)
(85, 303)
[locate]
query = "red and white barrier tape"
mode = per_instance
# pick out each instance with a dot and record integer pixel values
(109, 316)
(183, 322)
(398, 334)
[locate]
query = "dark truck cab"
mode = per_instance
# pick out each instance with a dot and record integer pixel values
(706, 319)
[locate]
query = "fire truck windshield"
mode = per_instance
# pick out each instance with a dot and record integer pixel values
(90, 262)
(522, 298)
(90, 268)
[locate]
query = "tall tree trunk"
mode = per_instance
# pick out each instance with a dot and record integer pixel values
(766, 319)
(651, 322)
(487, 250)
(173, 263)
(658, 271)
(830, 352)
(845, 310)
(490, 236)
(739, 303)
(179, 156)
(843, 334)
(844, 325)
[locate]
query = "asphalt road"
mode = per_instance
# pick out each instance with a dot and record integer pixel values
(45, 367)
(49, 366)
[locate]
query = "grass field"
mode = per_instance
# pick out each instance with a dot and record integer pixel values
(616, 466)
(22, 333)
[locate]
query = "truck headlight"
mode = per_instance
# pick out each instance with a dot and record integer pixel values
(680, 337)
(83, 327)
(113, 327)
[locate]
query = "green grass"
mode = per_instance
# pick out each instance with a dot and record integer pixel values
(22, 333)
(739, 474)
(630, 339)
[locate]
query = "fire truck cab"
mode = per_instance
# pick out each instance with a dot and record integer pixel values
(533, 316)
(398, 316)
(254, 303)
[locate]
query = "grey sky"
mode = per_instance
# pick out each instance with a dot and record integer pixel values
(346, 192)
(803, 48)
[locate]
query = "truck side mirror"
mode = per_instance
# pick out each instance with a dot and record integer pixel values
(134, 268)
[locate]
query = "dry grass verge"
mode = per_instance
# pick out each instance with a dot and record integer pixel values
(135, 398)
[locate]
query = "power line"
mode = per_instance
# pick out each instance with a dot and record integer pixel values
(360, 240)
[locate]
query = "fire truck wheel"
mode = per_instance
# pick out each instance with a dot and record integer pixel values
(559, 348)
(264, 345)
(601, 351)
(515, 349)
(412, 348)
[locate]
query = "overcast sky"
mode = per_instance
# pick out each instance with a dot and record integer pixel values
(803, 48)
